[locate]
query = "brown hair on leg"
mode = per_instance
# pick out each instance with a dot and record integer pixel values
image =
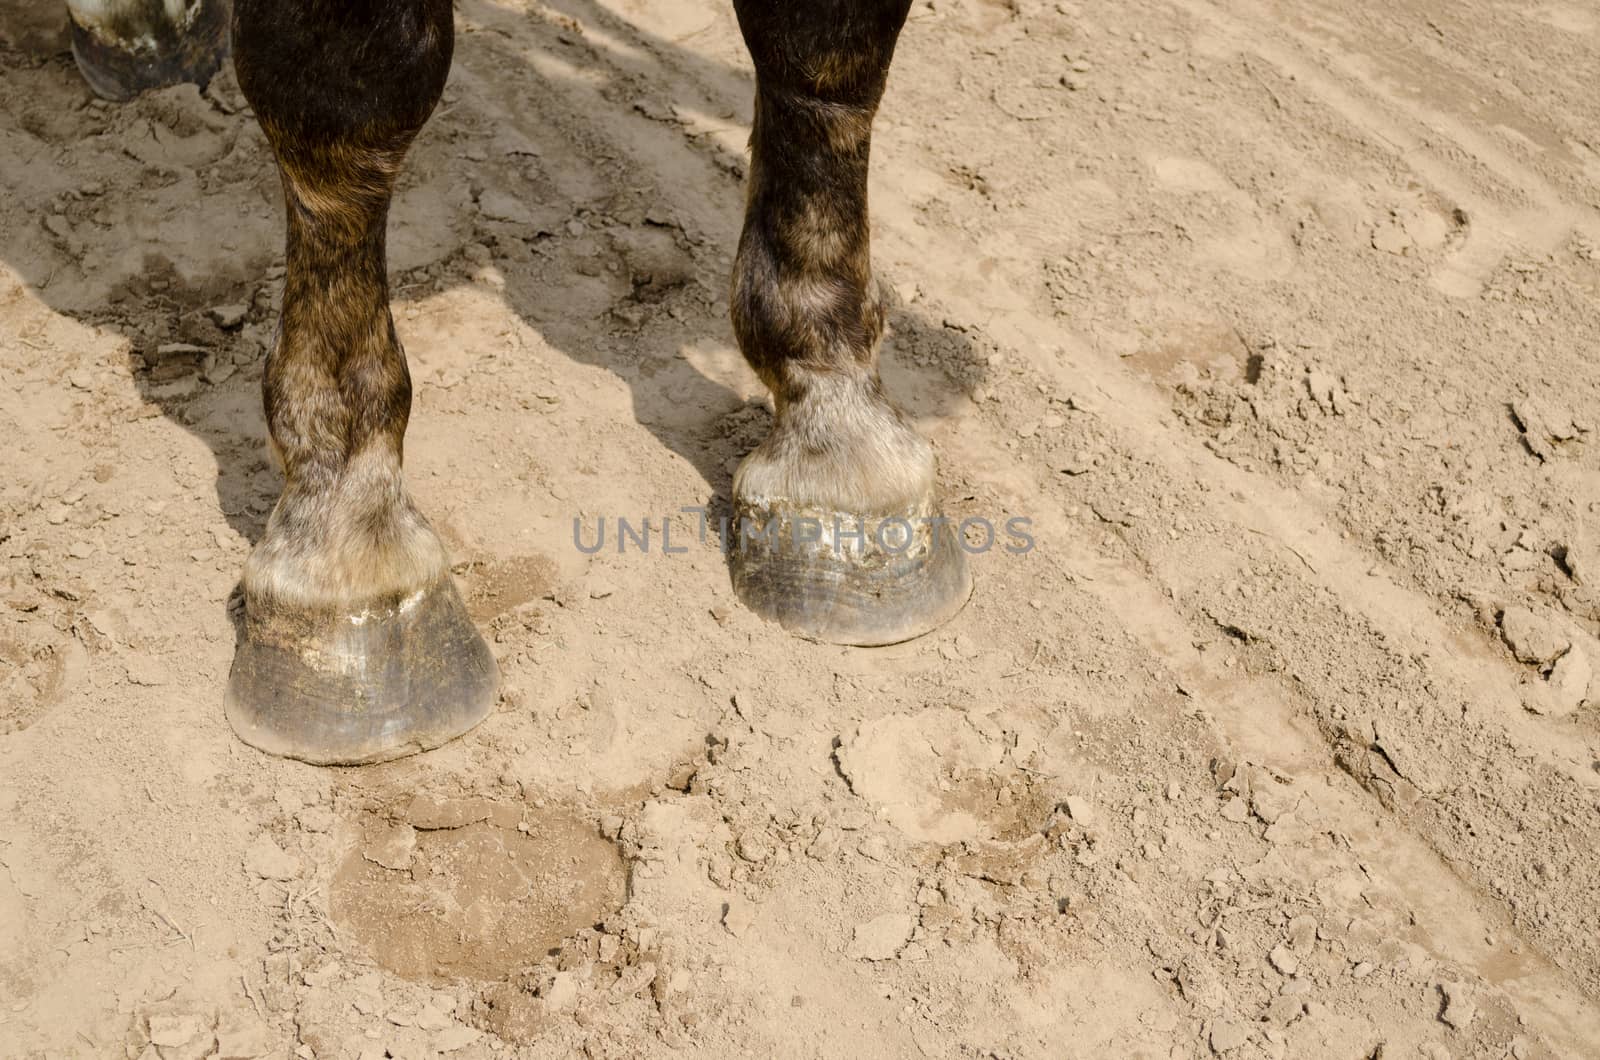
(340, 90)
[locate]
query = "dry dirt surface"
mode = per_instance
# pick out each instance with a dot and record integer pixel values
(1277, 320)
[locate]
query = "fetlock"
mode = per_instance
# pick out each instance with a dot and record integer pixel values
(840, 446)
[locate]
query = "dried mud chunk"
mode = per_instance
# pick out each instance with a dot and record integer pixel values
(1532, 638)
(1228, 1035)
(1569, 681)
(1271, 801)
(737, 916)
(228, 317)
(1235, 810)
(1081, 810)
(1303, 933)
(1580, 559)
(1327, 392)
(1459, 1005)
(754, 846)
(1542, 425)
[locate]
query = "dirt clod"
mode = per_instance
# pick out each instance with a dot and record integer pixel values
(1532, 638)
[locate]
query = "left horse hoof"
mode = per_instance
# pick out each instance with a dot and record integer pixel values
(124, 48)
(846, 579)
(336, 687)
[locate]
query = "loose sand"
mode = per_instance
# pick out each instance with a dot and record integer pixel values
(1278, 321)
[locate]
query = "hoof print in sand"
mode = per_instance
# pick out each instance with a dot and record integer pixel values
(939, 778)
(475, 889)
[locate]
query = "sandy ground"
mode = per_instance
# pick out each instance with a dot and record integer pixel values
(1275, 319)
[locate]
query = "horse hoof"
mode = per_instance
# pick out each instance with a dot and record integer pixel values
(845, 579)
(124, 48)
(335, 687)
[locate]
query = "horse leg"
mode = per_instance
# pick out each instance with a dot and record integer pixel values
(841, 537)
(357, 647)
(124, 47)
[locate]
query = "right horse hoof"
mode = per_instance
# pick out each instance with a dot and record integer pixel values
(845, 579)
(344, 687)
(125, 47)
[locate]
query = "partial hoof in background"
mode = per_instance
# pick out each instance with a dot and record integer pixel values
(849, 579)
(332, 687)
(125, 47)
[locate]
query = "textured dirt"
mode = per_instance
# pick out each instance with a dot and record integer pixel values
(1276, 320)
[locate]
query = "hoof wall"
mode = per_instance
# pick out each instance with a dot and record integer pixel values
(336, 688)
(835, 577)
(120, 63)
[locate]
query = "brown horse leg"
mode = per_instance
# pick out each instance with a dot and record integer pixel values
(840, 532)
(357, 647)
